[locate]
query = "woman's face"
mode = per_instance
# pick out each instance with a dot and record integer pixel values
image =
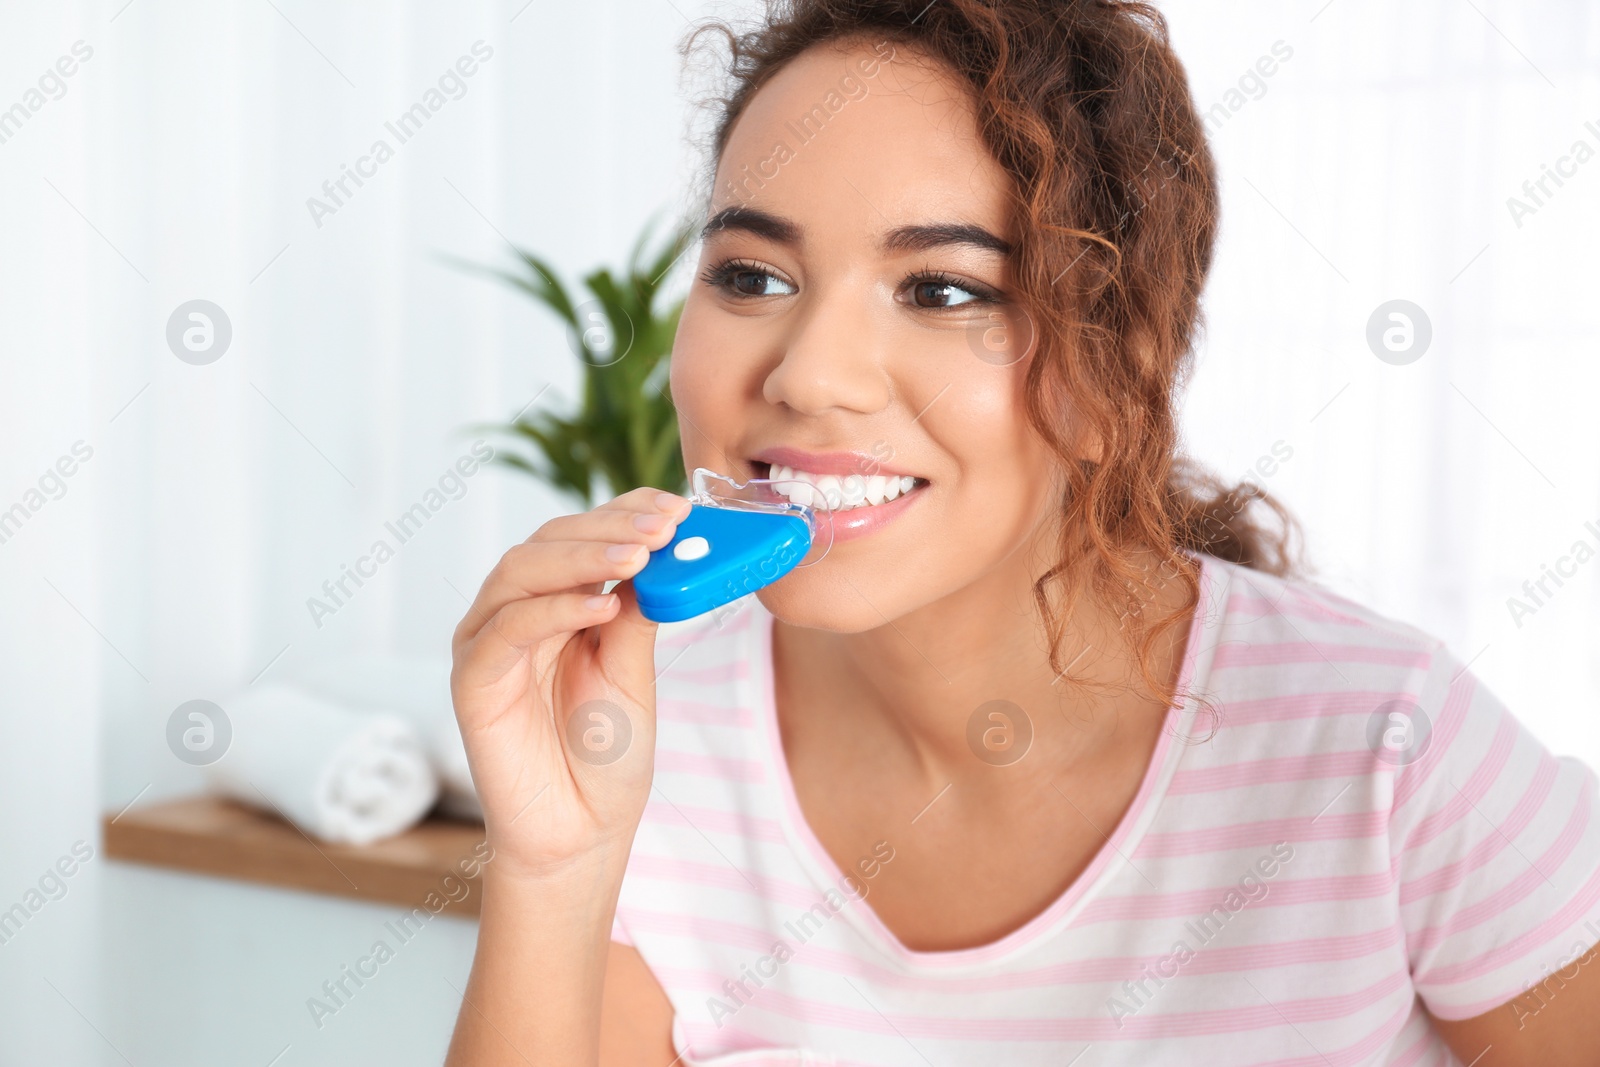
(850, 318)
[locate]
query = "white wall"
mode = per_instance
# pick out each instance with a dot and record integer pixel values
(1376, 164)
(54, 665)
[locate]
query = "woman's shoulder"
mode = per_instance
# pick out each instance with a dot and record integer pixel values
(1276, 604)
(1397, 773)
(1291, 667)
(1267, 635)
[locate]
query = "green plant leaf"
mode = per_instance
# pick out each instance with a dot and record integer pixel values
(624, 430)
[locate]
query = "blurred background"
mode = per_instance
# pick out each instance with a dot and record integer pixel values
(1440, 153)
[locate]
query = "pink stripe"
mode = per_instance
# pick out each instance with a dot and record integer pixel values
(1360, 1051)
(1464, 799)
(708, 631)
(738, 823)
(1457, 704)
(1276, 770)
(697, 978)
(1143, 1026)
(1249, 834)
(1292, 603)
(1245, 654)
(1452, 875)
(716, 674)
(1519, 888)
(1111, 969)
(1501, 999)
(1294, 953)
(1528, 882)
(1196, 902)
(696, 928)
(1307, 706)
(1428, 1041)
(700, 713)
(723, 876)
(724, 767)
(760, 940)
(1472, 1011)
(1494, 959)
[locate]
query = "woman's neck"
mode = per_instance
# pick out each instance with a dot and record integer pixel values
(907, 690)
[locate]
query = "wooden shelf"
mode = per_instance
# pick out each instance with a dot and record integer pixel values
(210, 835)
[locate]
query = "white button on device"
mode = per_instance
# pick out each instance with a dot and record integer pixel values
(691, 548)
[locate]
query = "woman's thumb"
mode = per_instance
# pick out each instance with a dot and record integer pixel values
(626, 654)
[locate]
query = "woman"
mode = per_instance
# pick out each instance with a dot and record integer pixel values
(1050, 759)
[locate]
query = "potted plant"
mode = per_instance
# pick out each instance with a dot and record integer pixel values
(624, 432)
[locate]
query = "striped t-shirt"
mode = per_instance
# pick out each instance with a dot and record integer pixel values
(1365, 833)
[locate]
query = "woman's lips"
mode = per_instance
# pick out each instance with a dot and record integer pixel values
(860, 521)
(852, 523)
(840, 464)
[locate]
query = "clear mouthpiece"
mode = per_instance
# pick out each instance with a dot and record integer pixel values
(767, 494)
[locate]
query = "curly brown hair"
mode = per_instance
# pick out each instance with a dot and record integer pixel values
(1115, 207)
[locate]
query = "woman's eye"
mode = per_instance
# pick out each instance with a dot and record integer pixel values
(747, 282)
(941, 294)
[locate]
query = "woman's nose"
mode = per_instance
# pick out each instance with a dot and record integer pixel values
(832, 359)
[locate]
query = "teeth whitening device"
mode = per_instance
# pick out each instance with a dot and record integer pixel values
(737, 538)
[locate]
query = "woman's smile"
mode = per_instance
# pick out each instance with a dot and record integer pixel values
(860, 493)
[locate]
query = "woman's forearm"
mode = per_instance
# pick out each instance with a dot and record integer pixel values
(535, 990)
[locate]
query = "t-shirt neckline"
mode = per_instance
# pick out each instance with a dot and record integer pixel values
(826, 874)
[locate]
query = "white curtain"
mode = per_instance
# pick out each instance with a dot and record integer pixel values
(176, 165)
(1374, 164)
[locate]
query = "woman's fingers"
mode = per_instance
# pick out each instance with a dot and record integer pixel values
(510, 632)
(623, 519)
(535, 570)
(626, 647)
(607, 544)
(539, 643)
(644, 498)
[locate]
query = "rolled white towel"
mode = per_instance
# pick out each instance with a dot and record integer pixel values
(340, 775)
(417, 688)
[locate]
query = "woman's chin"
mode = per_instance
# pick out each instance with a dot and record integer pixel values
(848, 599)
(818, 603)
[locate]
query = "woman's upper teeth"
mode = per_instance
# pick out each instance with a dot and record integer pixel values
(836, 492)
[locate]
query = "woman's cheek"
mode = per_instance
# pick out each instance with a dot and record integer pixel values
(999, 465)
(704, 391)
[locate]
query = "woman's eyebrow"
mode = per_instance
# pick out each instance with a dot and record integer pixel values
(915, 238)
(934, 235)
(753, 220)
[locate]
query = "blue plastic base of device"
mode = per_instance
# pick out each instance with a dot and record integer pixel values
(743, 551)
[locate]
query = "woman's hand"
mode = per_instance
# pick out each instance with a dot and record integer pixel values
(554, 687)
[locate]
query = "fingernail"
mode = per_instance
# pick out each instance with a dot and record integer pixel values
(649, 523)
(623, 553)
(669, 502)
(597, 603)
